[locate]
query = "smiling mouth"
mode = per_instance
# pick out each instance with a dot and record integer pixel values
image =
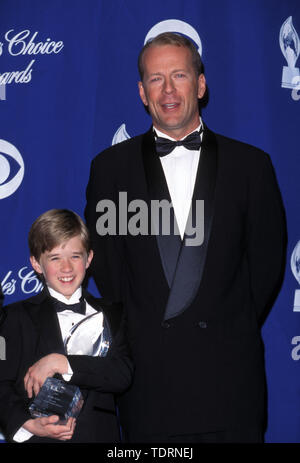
(170, 106)
(66, 279)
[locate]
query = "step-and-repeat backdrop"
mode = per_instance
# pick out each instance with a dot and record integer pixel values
(68, 89)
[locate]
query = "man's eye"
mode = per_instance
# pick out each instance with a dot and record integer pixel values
(180, 76)
(155, 79)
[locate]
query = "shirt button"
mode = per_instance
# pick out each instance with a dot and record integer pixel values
(165, 324)
(202, 324)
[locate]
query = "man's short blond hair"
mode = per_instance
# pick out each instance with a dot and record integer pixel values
(172, 38)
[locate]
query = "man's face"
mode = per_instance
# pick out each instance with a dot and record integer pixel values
(64, 266)
(170, 89)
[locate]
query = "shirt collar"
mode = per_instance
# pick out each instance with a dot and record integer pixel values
(60, 297)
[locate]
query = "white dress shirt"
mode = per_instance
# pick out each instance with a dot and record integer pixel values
(180, 169)
(67, 319)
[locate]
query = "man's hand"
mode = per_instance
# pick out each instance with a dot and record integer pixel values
(45, 367)
(46, 427)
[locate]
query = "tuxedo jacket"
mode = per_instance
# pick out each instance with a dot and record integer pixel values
(31, 331)
(193, 312)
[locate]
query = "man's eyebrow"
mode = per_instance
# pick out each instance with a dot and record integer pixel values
(155, 74)
(158, 73)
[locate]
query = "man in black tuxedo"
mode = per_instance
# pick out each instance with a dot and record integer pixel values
(194, 303)
(35, 332)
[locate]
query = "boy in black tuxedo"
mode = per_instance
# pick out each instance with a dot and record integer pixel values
(35, 330)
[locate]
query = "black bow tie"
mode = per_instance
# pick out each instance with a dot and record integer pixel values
(79, 307)
(165, 146)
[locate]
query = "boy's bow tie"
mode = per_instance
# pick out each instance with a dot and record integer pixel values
(79, 307)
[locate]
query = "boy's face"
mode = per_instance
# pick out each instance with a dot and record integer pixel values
(64, 266)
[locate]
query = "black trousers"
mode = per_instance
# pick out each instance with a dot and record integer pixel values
(232, 436)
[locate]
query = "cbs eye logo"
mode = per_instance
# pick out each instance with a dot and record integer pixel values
(11, 169)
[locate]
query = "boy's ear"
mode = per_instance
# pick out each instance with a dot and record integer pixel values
(36, 266)
(89, 258)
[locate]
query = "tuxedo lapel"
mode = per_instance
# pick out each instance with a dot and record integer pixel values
(182, 261)
(43, 315)
(112, 312)
(168, 244)
(191, 262)
(91, 300)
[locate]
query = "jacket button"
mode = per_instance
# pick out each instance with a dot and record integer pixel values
(202, 324)
(165, 324)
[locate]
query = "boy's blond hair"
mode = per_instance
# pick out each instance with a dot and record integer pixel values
(53, 228)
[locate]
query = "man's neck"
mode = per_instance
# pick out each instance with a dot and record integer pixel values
(177, 135)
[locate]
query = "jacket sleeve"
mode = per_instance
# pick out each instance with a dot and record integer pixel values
(266, 238)
(13, 405)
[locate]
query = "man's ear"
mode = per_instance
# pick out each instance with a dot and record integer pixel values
(201, 85)
(35, 264)
(142, 93)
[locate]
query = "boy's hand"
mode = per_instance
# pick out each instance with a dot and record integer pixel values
(46, 427)
(45, 367)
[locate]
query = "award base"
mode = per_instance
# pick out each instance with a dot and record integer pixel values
(290, 77)
(56, 397)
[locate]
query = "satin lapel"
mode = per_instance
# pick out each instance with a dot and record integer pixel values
(112, 312)
(192, 258)
(45, 319)
(91, 300)
(169, 244)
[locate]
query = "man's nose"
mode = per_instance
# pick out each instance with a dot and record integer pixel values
(168, 85)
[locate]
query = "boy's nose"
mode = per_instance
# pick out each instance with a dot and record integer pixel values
(66, 265)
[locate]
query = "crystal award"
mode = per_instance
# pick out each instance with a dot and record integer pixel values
(290, 46)
(91, 336)
(56, 397)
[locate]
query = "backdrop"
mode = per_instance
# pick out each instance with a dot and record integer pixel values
(68, 89)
